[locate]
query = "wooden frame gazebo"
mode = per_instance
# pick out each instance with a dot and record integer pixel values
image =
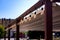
(48, 18)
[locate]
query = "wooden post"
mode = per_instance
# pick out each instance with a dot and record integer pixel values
(48, 20)
(5, 35)
(2, 21)
(17, 31)
(8, 34)
(9, 31)
(4, 26)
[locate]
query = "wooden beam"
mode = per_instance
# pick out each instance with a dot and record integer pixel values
(48, 20)
(5, 35)
(9, 30)
(17, 30)
(5, 31)
(2, 21)
(9, 34)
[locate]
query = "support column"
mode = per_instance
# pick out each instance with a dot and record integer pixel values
(4, 26)
(8, 34)
(5, 30)
(48, 20)
(9, 30)
(17, 31)
(5, 35)
(2, 21)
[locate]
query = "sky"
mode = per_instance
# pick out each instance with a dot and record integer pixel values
(14, 8)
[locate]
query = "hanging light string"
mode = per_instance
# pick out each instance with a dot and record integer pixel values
(33, 14)
(29, 18)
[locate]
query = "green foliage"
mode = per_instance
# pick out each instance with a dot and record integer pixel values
(1, 31)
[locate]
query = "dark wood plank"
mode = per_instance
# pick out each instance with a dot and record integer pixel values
(17, 30)
(48, 20)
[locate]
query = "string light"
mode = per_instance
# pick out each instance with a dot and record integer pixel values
(34, 15)
(39, 11)
(29, 18)
(42, 12)
(41, 8)
(25, 19)
(53, 34)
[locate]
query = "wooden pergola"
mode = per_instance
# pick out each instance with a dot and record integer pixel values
(48, 18)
